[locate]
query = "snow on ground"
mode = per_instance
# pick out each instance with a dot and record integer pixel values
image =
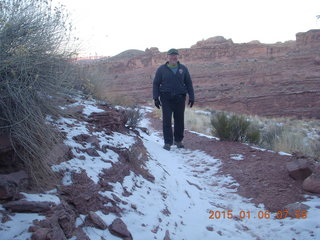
(236, 157)
(92, 165)
(17, 228)
(188, 197)
(186, 190)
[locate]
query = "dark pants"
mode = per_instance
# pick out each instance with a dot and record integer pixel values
(172, 105)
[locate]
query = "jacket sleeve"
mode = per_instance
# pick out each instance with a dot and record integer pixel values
(189, 85)
(156, 84)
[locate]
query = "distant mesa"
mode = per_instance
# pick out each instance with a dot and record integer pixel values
(279, 79)
(128, 54)
(212, 41)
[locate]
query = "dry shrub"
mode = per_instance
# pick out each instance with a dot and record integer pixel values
(92, 80)
(134, 116)
(270, 134)
(35, 73)
(234, 128)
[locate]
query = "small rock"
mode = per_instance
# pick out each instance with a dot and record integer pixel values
(210, 229)
(28, 206)
(75, 110)
(92, 152)
(94, 141)
(294, 207)
(299, 169)
(8, 189)
(81, 138)
(312, 183)
(97, 221)
(119, 228)
(40, 234)
(167, 236)
(56, 233)
(5, 218)
(115, 197)
(10, 184)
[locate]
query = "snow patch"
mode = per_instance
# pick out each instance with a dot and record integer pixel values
(237, 157)
(41, 198)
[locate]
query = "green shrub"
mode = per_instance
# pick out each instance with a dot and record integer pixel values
(35, 73)
(253, 135)
(234, 128)
(238, 127)
(221, 126)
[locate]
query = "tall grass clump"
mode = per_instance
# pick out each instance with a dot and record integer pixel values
(35, 72)
(234, 128)
(197, 120)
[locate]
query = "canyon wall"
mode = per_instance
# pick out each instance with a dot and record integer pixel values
(281, 79)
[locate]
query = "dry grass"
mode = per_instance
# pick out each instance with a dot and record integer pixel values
(198, 120)
(278, 134)
(119, 100)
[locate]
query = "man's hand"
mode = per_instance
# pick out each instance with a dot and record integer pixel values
(190, 103)
(157, 103)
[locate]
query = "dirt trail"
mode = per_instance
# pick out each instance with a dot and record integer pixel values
(262, 175)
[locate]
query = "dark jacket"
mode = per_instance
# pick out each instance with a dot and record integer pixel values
(166, 81)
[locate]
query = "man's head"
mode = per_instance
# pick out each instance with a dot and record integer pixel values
(173, 56)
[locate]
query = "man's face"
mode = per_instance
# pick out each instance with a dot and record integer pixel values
(173, 59)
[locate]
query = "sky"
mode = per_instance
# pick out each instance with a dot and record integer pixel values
(187, 188)
(107, 27)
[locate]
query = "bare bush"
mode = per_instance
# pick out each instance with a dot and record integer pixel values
(35, 71)
(134, 116)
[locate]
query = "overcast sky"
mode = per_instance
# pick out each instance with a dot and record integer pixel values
(108, 27)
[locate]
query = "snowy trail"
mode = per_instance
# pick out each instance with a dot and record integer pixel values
(186, 193)
(186, 189)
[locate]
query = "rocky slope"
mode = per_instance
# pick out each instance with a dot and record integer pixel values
(280, 79)
(119, 183)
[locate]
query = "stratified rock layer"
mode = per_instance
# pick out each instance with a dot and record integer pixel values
(281, 79)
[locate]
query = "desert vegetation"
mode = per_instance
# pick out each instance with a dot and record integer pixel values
(277, 134)
(36, 72)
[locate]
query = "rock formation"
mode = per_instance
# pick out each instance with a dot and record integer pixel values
(280, 79)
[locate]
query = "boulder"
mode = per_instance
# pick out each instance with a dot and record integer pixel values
(11, 184)
(119, 228)
(8, 190)
(312, 183)
(97, 221)
(40, 234)
(299, 169)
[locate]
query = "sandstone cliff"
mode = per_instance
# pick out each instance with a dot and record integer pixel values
(281, 79)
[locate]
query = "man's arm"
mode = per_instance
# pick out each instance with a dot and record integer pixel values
(189, 86)
(156, 84)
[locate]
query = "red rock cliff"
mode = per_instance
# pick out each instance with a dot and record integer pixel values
(281, 79)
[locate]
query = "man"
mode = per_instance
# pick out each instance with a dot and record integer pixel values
(171, 83)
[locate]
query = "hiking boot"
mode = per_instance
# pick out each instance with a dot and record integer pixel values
(179, 144)
(167, 147)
